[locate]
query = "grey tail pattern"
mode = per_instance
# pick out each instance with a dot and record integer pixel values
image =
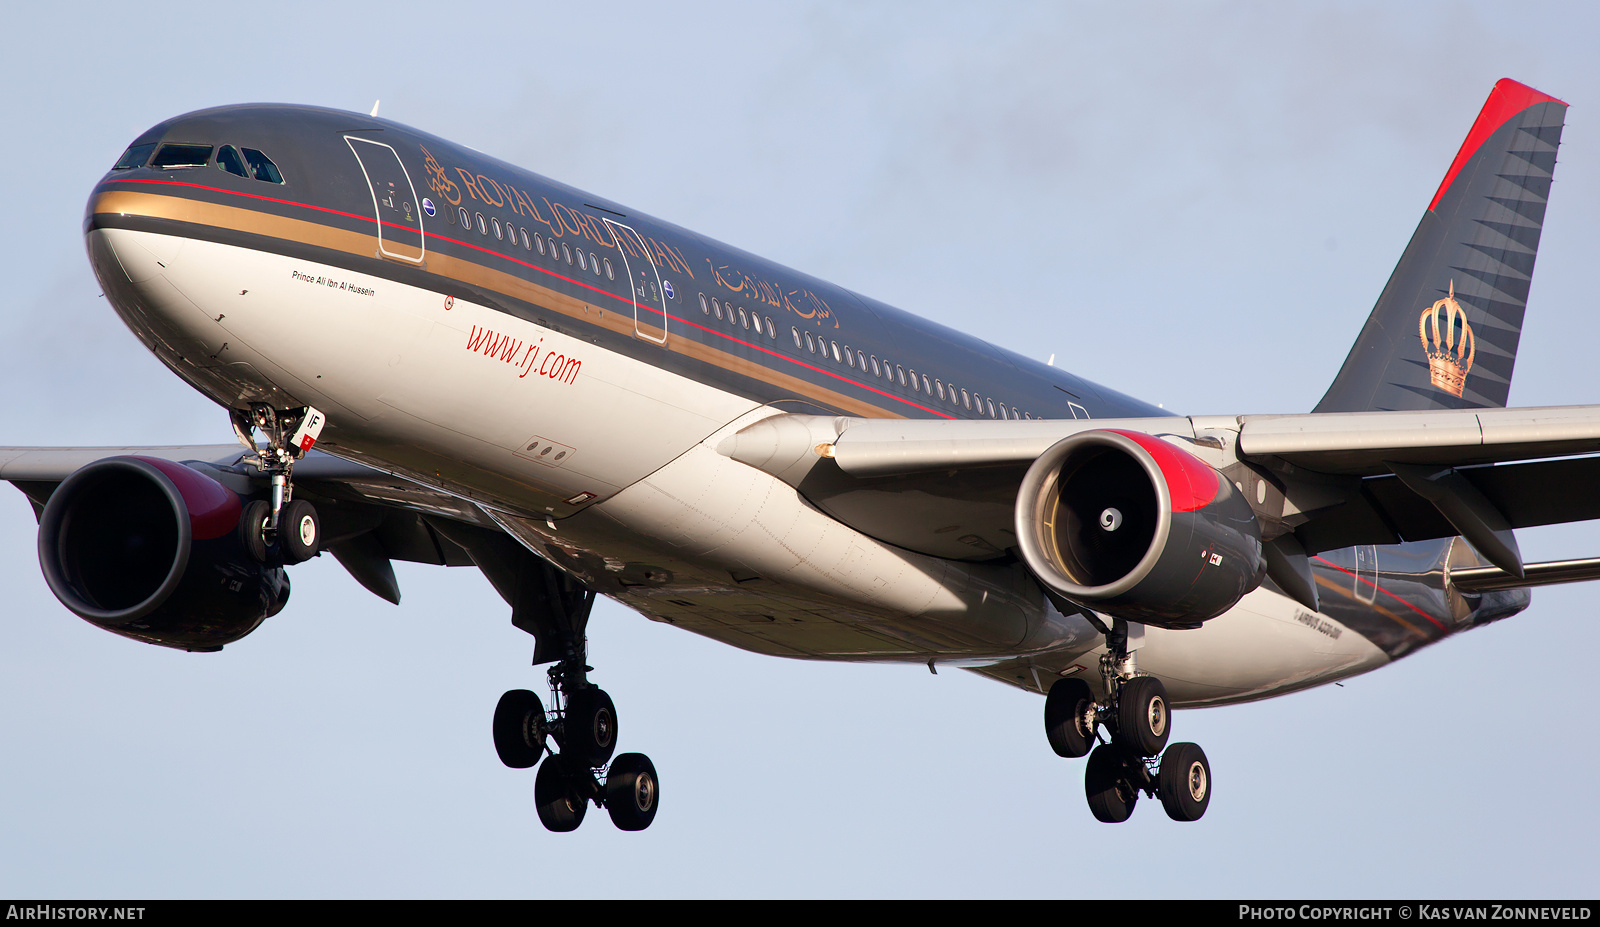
(1444, 332)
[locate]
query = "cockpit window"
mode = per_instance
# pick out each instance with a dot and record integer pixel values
(261, 166)
(171, 156)
(134, 157)
(229, 160)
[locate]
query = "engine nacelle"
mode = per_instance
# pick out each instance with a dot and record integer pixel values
(1129, 525)
(150, 549)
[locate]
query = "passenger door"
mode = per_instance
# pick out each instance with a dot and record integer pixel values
(644, 282)
(1366, 573)
(394, 200)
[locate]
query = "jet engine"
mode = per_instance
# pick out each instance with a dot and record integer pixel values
(151, 550)
(1129, 525)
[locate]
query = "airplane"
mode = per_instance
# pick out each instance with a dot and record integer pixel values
(433, 356)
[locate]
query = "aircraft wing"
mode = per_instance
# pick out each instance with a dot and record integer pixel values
(949, 488)
(1331, 480)
(369, 517)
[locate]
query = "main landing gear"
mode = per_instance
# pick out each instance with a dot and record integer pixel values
(1138, 718)
(283, 530)
(581, 769)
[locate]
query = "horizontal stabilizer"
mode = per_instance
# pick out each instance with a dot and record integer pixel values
(1476, 580)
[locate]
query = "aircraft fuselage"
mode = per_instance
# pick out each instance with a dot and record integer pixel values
(571, 366)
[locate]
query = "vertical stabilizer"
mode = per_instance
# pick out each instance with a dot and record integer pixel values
(1444, 332)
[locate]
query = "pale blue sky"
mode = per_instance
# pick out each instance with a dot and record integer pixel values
(1193, 203)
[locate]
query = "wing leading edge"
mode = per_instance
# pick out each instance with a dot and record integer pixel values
(1331, 480)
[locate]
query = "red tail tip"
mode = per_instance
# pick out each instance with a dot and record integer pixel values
(1507, 99)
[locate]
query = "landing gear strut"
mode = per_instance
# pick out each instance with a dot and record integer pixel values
(284, 529)
(580, 767)
(1138, 718)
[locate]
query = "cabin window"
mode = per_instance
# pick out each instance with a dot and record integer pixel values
(483, 224)
(913, 383)
(810, 345)
(566, 252)
(134, 157)
(938, 388)
(612, 275)
(495, 225)
(744, 320)
(594, 265)
(875, 371)
(732, 319)
(228, 159)
(526, 244)
(991, 409)
(772, 330)
(466, 220)
(716, 307)
(705, 307)
(538, 242)
(849, 357)
(261, 166)
(836, 358)
(926, 386)
(901, 373)
(581, 265)
(1003, 412)
(966, 400)
(171, 156)
(796, 333)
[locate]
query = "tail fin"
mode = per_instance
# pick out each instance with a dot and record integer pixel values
(1444, 332)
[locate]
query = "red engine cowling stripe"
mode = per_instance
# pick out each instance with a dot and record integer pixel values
(213, 509)
(1191, 482)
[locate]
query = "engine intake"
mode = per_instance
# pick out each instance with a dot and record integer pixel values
(1127, 524)
(149, 549)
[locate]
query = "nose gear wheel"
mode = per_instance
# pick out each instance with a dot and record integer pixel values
(283, 530)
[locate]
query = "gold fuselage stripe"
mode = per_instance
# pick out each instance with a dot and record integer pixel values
(234, 218)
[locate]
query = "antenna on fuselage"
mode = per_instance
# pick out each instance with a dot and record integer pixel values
(1049, 363)
(374, 113)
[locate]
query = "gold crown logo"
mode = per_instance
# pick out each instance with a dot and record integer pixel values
(1449, 353)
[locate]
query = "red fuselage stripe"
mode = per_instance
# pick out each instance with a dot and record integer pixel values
(550, 273)
(1363, 579)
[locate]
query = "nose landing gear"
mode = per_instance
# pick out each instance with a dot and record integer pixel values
(581, 768)
(1138, 718)
(283, 529)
